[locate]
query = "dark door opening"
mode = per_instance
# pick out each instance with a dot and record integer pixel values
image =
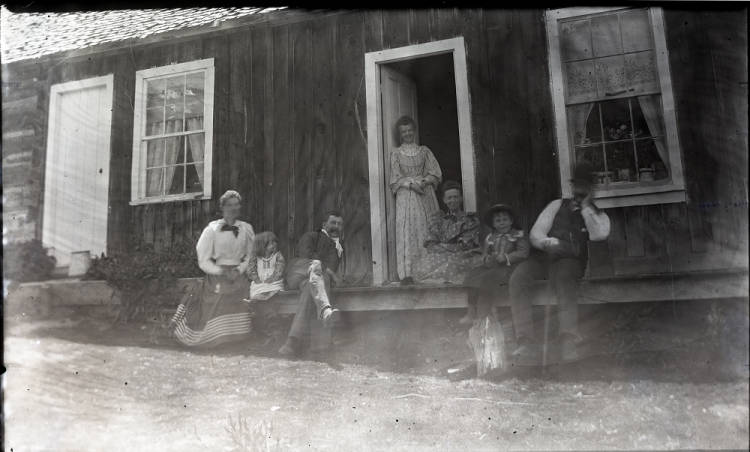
(424, 88)
(437, 114)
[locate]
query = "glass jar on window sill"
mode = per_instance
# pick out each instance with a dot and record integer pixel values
(603, 177)
(646, 174)
(623, 175)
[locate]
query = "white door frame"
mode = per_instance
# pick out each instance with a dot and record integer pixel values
(375, 136)
(56, 92)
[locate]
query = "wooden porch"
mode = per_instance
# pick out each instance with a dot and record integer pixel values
(623, 289)
(709, 285)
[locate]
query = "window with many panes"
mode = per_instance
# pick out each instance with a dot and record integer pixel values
(613, 102)
(173, 133)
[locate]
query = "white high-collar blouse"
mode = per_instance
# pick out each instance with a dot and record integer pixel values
(216, 247)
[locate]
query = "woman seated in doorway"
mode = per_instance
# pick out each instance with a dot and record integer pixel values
(217, 314)
(452, 247)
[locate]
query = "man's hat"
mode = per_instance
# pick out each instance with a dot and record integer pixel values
(583, 174)
(490, 213)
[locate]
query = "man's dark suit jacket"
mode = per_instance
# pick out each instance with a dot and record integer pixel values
(317, 245)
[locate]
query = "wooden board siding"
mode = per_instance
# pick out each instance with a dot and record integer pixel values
(289, 107)
(712, 105)
(351, 179)
(24, 118)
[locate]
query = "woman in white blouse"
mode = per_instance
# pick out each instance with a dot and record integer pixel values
(217, 314)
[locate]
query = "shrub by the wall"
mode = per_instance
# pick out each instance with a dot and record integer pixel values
(146, 278)
(28, 261)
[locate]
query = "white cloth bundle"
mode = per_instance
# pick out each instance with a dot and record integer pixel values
(264, 291)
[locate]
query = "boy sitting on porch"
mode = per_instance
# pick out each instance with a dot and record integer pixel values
(504, 248)
(313, 272)
(561, 232)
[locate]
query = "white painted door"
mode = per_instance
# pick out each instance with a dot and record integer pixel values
(399, 98)
(77, 168)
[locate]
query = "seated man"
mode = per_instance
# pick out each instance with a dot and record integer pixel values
(561, 232)
(452, 247)
(313, 272)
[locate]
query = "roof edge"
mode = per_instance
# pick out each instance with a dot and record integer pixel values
(273, 18)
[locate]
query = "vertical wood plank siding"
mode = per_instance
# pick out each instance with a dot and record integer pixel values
(289, 103)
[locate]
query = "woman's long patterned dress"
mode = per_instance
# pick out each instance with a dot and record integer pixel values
(411, 162)
(453, 250)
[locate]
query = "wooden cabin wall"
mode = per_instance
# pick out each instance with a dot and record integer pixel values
(709, 61)
(290, 120)
(24, 118)
(315, 137)
(511, 109)
(330, 53)
(289, 131)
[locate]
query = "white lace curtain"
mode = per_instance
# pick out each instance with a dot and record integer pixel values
(196, 146)
(578, 117)
(651, 109)
(622, 51)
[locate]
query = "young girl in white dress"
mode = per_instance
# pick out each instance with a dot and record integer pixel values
(266, 269)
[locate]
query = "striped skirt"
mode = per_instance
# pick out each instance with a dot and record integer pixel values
(215, 314)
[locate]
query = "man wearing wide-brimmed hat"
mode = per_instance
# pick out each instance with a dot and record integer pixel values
(561, 233)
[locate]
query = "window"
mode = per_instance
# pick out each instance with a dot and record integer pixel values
(173, 133)
(613, 103)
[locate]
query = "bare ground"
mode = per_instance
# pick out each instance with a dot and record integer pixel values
(77, 383)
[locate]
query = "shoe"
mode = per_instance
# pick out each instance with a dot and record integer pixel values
(527, 354)
(330, 316)
(290, 348)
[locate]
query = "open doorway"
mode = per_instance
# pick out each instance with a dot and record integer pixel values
(436, 112)
(428, 83)
(422, 88)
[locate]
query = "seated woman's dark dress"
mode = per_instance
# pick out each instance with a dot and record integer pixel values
(217, 314)
(452, 248)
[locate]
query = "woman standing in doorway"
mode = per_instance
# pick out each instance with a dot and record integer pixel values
(415, 173)
(217, 313)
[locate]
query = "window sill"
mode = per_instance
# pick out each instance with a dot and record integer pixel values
(643, 196)
(172, 198)
(635, 188)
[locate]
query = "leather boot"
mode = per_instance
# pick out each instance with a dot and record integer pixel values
(527, 353)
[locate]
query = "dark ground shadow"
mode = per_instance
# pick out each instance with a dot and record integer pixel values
(670, 342)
